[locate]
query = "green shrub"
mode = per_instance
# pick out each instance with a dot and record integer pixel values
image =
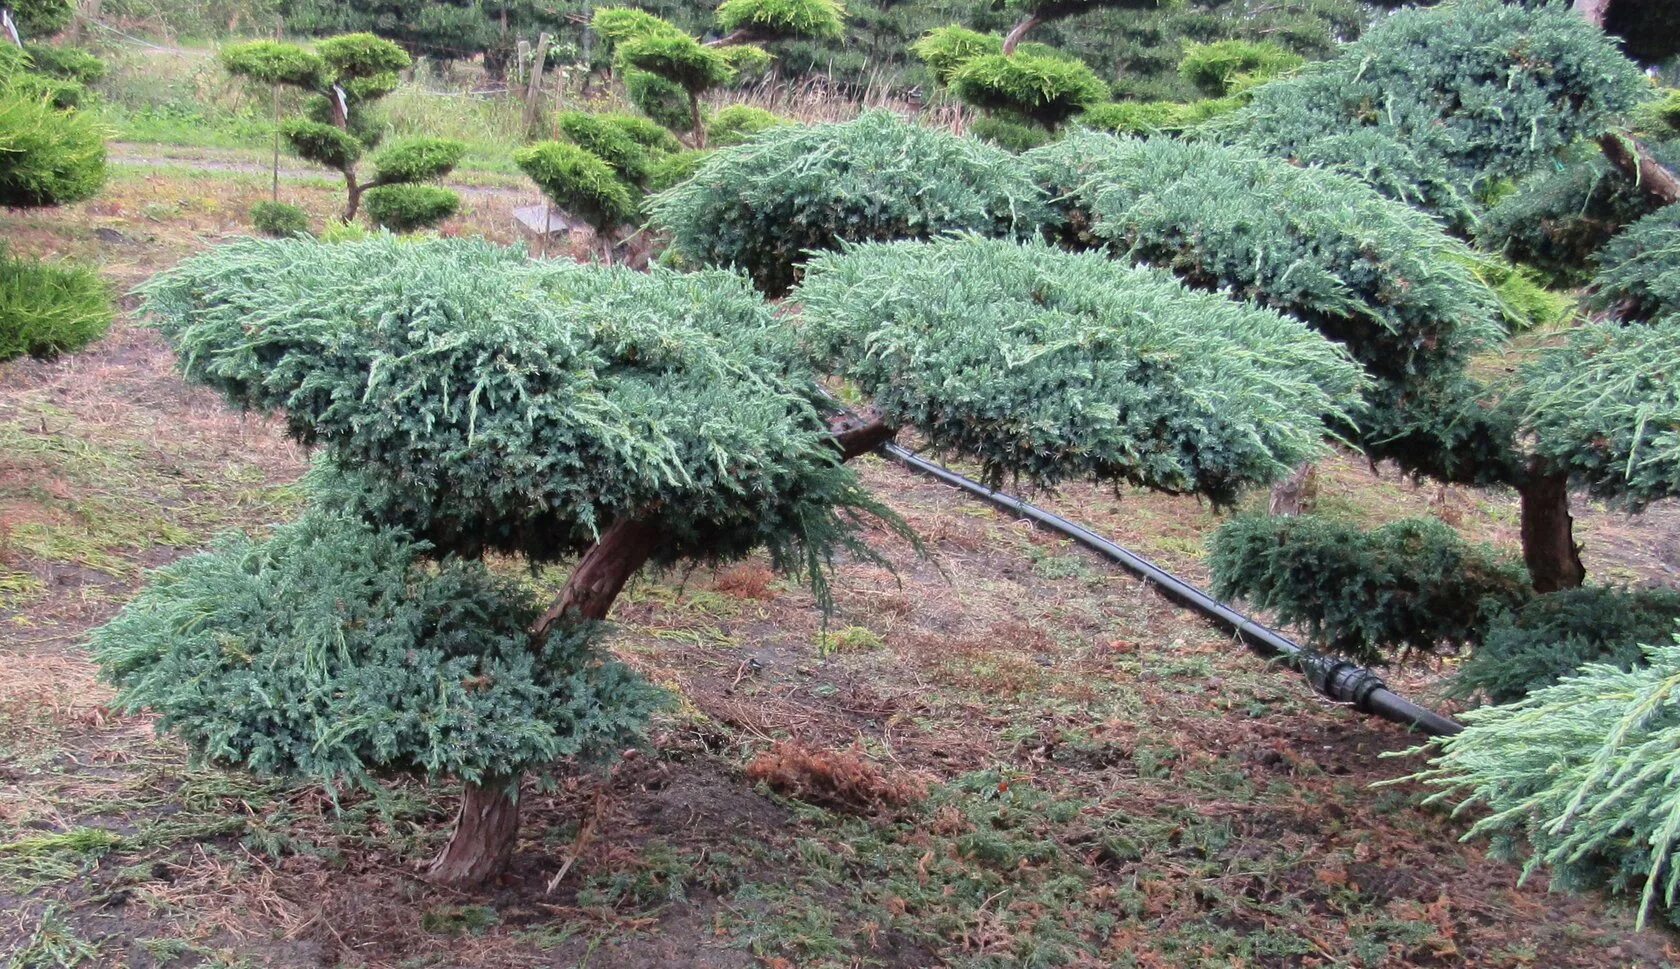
(1049, 366)
(1411, 586)
(48, 156)
(69, 63)
(1375, 276)
(279, 219)
(1579, 777)
(608, 142)
(1604, 406)
(275, 62)
(1048, 89)
(321, 143)
(351, 657)
(417, 160)
(1468, 91)
(738, 123)
(619, 24)
(678, 58)
(1553, 636)
(407, 208)
(362, 56)
(578, 182)
(747, 62)
(65, 95)
(1639, 270)
(1214, 68)
(643, 131)
(1558, 220)
(50, 308)
(779, 18)
(764, 205)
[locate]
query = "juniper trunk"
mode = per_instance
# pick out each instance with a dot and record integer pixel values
(487, 827)
(1548, 533)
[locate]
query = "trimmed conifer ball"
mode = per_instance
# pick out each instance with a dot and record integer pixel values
(1050, 366)
(335, 651)
(765, 205)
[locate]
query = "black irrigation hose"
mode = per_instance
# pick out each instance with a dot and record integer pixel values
(1337, 679)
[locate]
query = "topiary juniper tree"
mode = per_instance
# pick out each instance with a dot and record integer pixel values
(663, 64)
(468, 402)
(343, 77)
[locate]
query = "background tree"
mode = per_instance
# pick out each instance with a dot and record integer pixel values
(664, 65)
(343, 77)
(467, 401)
(50, 154)
(444, 31)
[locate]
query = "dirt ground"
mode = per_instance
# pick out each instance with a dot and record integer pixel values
(1002, 755)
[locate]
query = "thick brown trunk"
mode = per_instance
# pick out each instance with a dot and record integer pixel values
(353, 196)
(1637, 163)
(601, 574)
(1548, 535)
(486, 829)
(697, 122)
(1294, 495)
(1020, 31)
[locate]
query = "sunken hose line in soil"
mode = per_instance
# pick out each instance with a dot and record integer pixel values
(1338, 680)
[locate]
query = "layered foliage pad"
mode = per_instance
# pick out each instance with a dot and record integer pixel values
(439, 29)
(48, 155)
(945, 49)
(1492, 89)
(739, 123)
(1558, 220)
(406, 208)
(1048, 366)
(579, 182)
(335, 651)
(773, 19)
(764, 205)
(1639, 274)
(1581, 776)
(1554, 635)
(488, 403)
(1374, 275)
(1411, 586)
(1605, 406)
(47, 308)
(601, 137)
(1047, 88)
(66, 63)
